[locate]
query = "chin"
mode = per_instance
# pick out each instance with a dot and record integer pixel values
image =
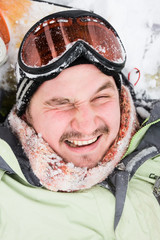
(85, 162)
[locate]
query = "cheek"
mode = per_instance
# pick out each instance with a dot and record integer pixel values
(110, 112)
(53, 124)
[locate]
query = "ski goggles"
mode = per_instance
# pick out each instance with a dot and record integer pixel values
(57, 41)
(60, 38)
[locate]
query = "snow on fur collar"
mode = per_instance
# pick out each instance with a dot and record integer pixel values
(56, 175)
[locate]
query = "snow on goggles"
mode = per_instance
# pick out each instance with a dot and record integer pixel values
(58, 39)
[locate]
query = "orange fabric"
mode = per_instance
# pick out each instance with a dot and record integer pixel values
(4, 32)
(13, 10)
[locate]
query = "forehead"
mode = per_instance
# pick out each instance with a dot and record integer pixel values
(83, 79)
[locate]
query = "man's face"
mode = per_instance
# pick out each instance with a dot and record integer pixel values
(77, 113)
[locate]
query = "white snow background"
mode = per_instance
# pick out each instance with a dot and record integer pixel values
(138, 25)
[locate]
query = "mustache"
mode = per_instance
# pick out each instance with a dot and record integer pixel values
(78, 135)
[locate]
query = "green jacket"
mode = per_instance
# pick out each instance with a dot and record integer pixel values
(123, 207)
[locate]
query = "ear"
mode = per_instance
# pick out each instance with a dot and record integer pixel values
(23, 117)
(27, 117)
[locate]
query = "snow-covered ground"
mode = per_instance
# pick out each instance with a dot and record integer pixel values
(138, 25)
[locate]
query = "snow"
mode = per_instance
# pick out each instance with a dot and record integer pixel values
(138, 25)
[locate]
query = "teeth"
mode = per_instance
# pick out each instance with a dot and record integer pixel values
(82, 143)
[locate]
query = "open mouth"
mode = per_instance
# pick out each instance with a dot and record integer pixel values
(80, 143)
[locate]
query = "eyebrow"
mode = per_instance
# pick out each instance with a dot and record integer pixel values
(106, 86)
(57, 101)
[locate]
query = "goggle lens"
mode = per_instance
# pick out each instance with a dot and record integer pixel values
(52, 38)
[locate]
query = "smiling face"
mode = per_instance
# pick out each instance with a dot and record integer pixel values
(77, 113)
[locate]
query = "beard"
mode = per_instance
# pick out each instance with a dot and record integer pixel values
(85, 160)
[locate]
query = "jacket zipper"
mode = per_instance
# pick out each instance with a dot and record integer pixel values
(156, 187)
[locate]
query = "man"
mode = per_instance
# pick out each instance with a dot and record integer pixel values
(75, 161)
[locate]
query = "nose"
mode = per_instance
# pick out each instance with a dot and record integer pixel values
(85, 120)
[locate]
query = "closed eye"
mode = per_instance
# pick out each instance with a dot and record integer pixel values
(64, 107)
(101, 97)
